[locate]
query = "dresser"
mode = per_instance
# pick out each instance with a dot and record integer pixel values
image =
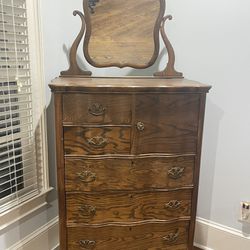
(128, 161)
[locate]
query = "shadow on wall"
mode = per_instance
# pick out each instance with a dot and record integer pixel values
(50, 114)
(213, 117)
(151, 70)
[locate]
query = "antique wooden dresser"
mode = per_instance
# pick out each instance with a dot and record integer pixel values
(128, 161)
(128, 148)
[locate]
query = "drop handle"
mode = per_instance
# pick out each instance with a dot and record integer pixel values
(173, 205)
(96, 109)
(87, 244)
(171, 237)
(176, 172)
(87, 210)
(98, 141)
(86, 176)
(140, 126)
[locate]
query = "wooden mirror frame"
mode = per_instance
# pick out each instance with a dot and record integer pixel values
(76, 71)
(155, 39)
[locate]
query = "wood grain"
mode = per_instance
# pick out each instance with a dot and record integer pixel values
(171, 123)
(197, 168)
(116, 109)
(76, 140)
(126, 207)
(60, 170)
(133, 237)
(123, 33)
(124, 183)
(127, 85)
(128, 174)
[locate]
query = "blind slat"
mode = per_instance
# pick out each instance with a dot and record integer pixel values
(24, 153)
(28, 162)
(14, 137)
(26, 176)
(18, 173)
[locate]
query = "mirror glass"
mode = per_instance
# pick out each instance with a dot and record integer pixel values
(122, 33)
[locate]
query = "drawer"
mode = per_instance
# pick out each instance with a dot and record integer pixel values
(97, 109)
(167, 123)
(93, 141)
(149, 236)
(128, 174)
(94, 208)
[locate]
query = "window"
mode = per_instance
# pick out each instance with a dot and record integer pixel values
(23, 172)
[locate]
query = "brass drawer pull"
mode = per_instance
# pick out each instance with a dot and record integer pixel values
(140, 126)
(87, 244)
(96, 109)
(171, 238)
(87, 176)
(98, 142)
(173, 205)
(176, 172)
(88, 210)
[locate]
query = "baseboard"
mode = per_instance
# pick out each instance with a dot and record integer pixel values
(44, 238)
(213, 236)
(208, 236)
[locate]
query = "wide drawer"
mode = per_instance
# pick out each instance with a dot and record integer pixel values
(94, 208)
(97, 109)
(98, 140)
(167, 123)
(152, 236)
(128, 174)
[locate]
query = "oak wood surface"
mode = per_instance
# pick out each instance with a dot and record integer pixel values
(149, 236)
(127, 85)
(100, 163)
(171, 123)
(127, 174)
(97, 109)
(95, 208)
(106, 140)
(197, 169)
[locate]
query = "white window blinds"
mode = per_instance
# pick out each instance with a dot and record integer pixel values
(18, 171)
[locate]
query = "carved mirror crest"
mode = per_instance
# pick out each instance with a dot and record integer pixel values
(122, 33)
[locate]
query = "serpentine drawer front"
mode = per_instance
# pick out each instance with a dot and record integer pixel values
(128, 161)
(85, 174)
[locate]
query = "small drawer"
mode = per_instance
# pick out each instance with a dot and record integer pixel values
(128, 174)
(94, 141)
(94, 208)
(96, 109)
(153, 236)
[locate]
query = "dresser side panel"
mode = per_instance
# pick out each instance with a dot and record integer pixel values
(60, 170)
(197, 170)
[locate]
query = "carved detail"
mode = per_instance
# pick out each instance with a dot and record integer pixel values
(74, 68)
(176, 172)
(87, 244)
(171, 238)
(98, 141)
(96, 109)
(87, 176)
(169, 71)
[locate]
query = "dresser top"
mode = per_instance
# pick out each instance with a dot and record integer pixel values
(127, 84)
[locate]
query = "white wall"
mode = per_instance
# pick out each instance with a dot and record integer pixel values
(212, 43)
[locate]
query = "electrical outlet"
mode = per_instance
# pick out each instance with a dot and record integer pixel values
(245, 211)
